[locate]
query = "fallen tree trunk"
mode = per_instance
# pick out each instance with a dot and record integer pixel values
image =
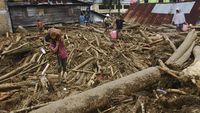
(183, 47)
(100, 96)
(193, 72)
(185, 56)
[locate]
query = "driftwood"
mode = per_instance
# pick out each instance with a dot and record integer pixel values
(9, 51)
(5, 95)
(100, 96)
(13, 72)
(29, 108)
(139, 104)
(182, 48)
(164, 68)
(132, 26)
(193, 72)
(175, 91)
(169, 26)
(179, 101)
(185, 56)
(11, 86)
(170, 42)
(144, 35)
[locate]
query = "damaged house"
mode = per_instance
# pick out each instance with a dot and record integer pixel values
(27, 12)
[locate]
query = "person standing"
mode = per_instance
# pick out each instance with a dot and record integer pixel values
(119, 25)
(178, 19)
(40, 25)
(82, 19)
(107, 22)
(54, 37)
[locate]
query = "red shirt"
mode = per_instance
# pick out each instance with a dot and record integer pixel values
(61, 51)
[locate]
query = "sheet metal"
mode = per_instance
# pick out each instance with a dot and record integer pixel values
(170, 8)
(142, 13)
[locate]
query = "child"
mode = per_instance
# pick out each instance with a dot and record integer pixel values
(58, 47)
(40, 25)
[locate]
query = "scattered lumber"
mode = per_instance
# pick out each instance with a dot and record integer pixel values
(99, 96)
(99, 69)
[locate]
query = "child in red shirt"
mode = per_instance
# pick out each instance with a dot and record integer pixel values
(58, 47)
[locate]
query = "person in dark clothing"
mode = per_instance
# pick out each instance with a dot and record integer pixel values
(119, 25)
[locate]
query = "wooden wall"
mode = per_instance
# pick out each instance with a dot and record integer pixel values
(28, 15)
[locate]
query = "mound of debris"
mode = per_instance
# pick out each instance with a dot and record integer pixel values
(103, 75)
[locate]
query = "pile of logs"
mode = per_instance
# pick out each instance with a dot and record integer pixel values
(98, 69)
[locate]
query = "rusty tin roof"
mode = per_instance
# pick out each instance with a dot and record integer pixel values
(142, 13)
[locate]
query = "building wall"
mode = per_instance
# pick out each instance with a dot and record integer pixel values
(28, 15)
(96, 8)
(5, 25)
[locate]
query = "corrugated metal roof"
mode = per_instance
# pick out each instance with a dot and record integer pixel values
(170, 8)
(142, 13)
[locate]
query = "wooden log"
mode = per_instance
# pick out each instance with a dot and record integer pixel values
(33, 59)
(185, 56)
(13, 72)
(144, 35)
(79, 66)
(170, 42)
(164, 68)
(15, 49)
(100, 96)
(97, 40)
(132, 26)
(193, 72)
(11, 86)
(169, 26)
(183, 47)
(5, 95)
(29, 108)
(32, 68)
(196, 53)
(45, 69)
(84, 63)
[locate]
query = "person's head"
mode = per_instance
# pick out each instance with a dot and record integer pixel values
(177, 10)
(38, 20)
(120, 16)
(107, 15)
(53, 35)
